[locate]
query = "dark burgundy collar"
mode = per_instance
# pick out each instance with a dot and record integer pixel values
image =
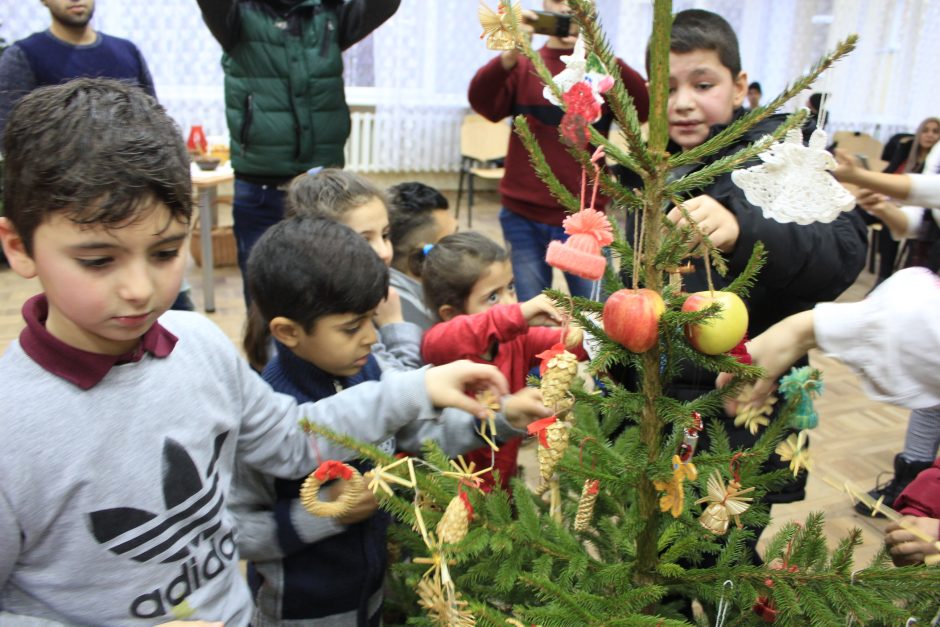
(83, 368)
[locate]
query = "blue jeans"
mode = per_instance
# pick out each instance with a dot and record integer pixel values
(528, 242)
(255, 208)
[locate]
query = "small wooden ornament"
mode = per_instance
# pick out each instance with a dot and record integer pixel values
(725, 504)
(586, 504)
(674, 498)
(310, 490)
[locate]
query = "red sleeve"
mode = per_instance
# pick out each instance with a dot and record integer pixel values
(636, 87)
(468, 337)
(492, 90)
(921, 497)
(539, 339)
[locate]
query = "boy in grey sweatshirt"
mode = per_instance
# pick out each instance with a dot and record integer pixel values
(120, 422)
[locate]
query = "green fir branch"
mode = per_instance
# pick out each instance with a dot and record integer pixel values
(706, 175)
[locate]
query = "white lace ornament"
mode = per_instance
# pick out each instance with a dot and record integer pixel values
(579, 67)
(793, 184)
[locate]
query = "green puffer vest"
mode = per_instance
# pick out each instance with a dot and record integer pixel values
(284, 98)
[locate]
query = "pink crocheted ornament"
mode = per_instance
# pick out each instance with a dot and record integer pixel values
(580, 254)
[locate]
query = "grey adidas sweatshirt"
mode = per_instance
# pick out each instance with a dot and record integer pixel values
(113, 500)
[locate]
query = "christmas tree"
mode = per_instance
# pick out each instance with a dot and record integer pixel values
(631, 523)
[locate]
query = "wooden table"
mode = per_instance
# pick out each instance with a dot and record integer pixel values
(207, 184)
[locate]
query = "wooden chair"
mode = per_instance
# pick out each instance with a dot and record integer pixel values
(483, 146)
(859, 143)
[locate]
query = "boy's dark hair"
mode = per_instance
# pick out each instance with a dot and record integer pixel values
(305, 268)
(98, 150)
(756, 87)
(411, 219)
(815, 101)
(330, 193)
(454, 265)
(697, 29)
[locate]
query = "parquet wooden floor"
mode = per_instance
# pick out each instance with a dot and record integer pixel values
(856, 439)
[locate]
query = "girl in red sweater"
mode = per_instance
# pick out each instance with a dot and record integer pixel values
(468, 284)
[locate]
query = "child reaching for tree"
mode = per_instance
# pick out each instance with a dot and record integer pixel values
(121, 422)
(314, 286)
(468, 284)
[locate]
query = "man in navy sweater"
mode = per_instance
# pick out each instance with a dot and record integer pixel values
(71, 48)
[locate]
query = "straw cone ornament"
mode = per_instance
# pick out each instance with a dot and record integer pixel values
(455, 522)
(310, 490)
(559, 372)
(556, 441)
(589, 492)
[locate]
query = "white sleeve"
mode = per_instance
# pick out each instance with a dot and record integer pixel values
(925, 190)
(915, 217)
(891, 339)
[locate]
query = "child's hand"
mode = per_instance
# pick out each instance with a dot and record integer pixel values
(525, 406)
(874, 203)
(713, 219)
(906, 548)
(775, 350)
(389, 310)
(447, 385)
(364, 507)
(847, 166)
(540, 312)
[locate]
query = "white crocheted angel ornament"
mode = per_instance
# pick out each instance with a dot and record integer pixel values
(793, 183)
(580, 67)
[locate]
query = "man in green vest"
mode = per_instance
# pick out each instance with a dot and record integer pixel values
(284, 95)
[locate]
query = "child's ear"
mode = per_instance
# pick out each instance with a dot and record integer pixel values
(740, 89)
(285, 331)
(446, 312)
(15, 249)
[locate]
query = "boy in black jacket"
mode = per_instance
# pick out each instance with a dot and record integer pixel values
(805, 264)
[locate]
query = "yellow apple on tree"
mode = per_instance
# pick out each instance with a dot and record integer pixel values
(721, 332)
(631, 318)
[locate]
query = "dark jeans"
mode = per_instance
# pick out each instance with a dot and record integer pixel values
(528, 242)
(255, 208)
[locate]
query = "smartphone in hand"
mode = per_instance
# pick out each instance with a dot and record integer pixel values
(863, 160)
(553, 24)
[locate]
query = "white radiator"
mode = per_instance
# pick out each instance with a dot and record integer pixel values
(361, 142)
(404, 140)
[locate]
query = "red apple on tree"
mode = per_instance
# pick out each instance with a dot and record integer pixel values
(631, 317)
(721, 332)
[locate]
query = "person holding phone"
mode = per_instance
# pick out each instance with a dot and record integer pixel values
(508, 85)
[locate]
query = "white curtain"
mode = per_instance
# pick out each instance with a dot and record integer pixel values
(415, 68)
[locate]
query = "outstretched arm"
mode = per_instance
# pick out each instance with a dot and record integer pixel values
(222, 18)
(360, 17)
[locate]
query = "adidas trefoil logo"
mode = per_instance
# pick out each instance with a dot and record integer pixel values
(193, 514)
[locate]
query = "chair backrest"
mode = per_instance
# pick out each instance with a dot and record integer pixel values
(483, 140)
(859, 143)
